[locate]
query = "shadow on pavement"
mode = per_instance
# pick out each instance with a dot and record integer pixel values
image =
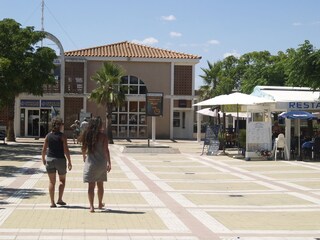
(73, 207)
(13, 171)
(121, 211)
(23, 193)
(15, 152)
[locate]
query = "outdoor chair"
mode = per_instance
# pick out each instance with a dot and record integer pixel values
(280, 146)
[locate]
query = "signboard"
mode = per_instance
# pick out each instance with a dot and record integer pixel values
(154, 104)
(211, 139)
(29, 103)
(50, 103)
(299, 105)
(258, 137)
(25, 103)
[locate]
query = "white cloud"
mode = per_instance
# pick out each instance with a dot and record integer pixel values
(214, 42)
(232, 53)
(297, 24)
(168, 18)
(146, 41)
(175, 34)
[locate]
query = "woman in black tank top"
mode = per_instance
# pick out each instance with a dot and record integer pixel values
(55, 159)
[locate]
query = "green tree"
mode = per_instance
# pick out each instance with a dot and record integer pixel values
(261, 68)
(229, 77)
(221, 77)
(24, 68)
(303, 66)
(109, 91)
(210, 78)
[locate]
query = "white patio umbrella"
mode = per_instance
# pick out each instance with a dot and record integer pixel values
(234, 99)
(213, 113)
(208, 112)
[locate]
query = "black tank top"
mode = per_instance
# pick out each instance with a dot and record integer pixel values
(55, 145)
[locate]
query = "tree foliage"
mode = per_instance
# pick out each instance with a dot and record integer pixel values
(109, 91)
(296, 67)
(303, 66)
(23, 67)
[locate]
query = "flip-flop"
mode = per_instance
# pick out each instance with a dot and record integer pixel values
(53, 206)
(61, 203)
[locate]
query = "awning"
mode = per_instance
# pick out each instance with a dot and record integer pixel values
(286, 94)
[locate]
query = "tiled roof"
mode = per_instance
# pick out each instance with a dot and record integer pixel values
(129, 49)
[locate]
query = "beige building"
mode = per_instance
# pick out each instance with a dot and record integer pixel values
(147, 69)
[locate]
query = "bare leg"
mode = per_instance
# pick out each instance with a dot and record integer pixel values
(100, 194)
(62, 179)
(91, 186)
(52, 183)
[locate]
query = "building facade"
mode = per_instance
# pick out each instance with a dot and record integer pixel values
(147, 70)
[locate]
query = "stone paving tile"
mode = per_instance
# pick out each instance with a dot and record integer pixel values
(43, 183)
(269, 220)
(65, 219)
(198, 176)
(231, 186)
(312, 183)
(275, 168)
(80, 197)
(253, 200)
(181, 169)
(164, 196)
(294, 175)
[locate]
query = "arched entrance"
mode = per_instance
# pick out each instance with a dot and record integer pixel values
(34, 113)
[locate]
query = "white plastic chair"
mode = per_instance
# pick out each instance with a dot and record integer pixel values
(280, 145)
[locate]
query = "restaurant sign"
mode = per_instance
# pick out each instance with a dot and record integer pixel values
(299, 105)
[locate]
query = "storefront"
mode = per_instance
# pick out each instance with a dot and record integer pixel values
(35, 116)
(288, 99)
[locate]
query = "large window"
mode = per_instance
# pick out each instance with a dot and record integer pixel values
(74, 77)
(133, 85)
(129, 120)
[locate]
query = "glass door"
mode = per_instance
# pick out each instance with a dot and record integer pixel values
(33, 123)
(44, 122)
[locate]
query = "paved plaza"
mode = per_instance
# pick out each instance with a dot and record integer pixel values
(181, 195)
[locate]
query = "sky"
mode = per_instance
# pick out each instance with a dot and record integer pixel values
(212, 29)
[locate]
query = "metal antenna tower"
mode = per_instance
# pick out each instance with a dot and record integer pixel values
(42, 15)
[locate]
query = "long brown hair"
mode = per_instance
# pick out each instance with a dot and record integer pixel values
(90, 136)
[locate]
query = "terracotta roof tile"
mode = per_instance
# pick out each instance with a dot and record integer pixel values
(129, 49)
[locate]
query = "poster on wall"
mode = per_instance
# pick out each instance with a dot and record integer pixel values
(154, 104)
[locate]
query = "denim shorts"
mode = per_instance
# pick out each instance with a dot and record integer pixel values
(56, 164)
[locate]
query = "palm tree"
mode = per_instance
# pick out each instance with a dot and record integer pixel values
(109, 92)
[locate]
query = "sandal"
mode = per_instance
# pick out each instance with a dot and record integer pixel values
(53, 206)
(62, 203)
